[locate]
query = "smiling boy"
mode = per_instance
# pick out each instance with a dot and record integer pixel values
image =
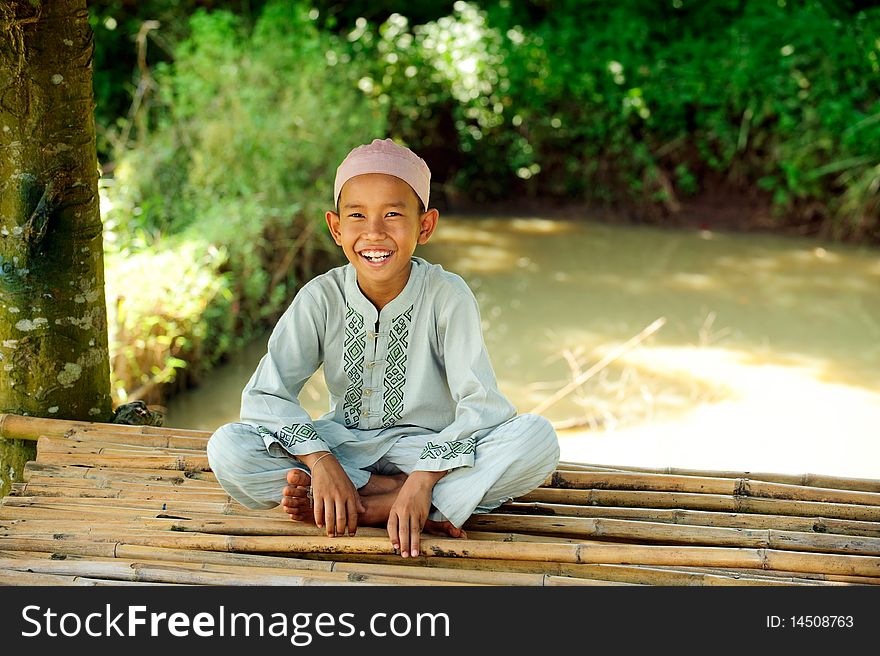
(418, 435)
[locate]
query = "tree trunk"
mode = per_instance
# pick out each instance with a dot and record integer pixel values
(53, 318)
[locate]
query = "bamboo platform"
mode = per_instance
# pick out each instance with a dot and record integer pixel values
(106, 504)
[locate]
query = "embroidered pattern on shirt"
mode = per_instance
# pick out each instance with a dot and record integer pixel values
(290, 435)
(353, 363)
(448, 450)
(395, 371)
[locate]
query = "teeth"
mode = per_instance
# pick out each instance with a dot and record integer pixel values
(376, 256)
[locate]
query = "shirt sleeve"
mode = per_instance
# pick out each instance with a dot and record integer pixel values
(270, 399)
(479, 405)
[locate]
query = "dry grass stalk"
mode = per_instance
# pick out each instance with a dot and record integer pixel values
(603, 362)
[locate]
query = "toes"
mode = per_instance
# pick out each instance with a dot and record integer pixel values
(298, 477)
(294, 502)
(295, 491)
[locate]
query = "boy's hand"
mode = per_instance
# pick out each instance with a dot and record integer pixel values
(336, 501)
(410, 511)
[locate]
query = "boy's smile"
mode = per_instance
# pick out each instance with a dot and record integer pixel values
(379, 225)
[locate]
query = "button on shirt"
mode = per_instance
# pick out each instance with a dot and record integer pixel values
(425, 371)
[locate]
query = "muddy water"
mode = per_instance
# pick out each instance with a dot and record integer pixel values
(769, 358)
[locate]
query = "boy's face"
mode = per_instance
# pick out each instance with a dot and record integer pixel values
(379, 224)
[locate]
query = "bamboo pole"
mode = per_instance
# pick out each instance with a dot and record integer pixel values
(543, 552)
(17, 427)
(699, 518)
(225, 558)
(697, 501)
(36, 470)
(122, 530)
(71, 445)
(607, 359)
(634, 530)
(12, 577)
(634, 574)
(158, 573)
(149, 506)
(122, 484)
(65, 505)
(177, 463)
(63, 491)
(707, 485)
(182, 555)
(800, 577)
(811, 480)
(166, 441)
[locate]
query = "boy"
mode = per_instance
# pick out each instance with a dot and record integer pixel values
(418, 435)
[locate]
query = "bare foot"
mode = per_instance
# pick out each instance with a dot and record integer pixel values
(445, 529)
(377, 507)
(382, 483)
(294, 497)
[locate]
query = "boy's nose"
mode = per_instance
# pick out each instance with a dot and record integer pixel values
(375, 226)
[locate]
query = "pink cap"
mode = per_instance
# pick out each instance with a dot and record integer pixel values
(385, 156)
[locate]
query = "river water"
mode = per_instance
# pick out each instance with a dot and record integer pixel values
(769, 359)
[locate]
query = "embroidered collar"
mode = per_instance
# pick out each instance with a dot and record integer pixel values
(398, 305)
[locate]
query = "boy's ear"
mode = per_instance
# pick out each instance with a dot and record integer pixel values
(427, 225)
(332, 219)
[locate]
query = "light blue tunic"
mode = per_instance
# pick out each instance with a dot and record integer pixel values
(424, 371)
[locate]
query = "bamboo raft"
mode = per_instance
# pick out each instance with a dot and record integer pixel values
(107, 504)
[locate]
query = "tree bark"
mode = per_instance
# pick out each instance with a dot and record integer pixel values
(53, 319)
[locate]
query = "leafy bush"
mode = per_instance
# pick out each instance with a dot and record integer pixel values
(218, 214)
(643, 102)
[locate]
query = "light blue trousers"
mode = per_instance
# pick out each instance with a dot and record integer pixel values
(510, 461)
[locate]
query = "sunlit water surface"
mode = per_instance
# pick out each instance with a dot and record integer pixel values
(769, 359)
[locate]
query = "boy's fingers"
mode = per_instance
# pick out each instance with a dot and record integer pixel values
(392, 531)
(352, 507)
(414, 534)
(341, 516)
(330, 518)
(403, 531)
(319, 512)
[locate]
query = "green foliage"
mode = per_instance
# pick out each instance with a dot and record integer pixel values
(218, 212)
(236, 126)
(641, 101)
